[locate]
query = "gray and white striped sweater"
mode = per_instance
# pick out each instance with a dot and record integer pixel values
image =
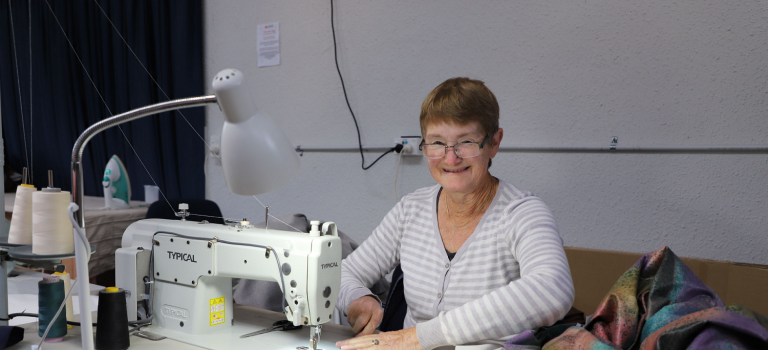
(510, 275)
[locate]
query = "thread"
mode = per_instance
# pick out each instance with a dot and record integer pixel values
(67, 284)
(112, 331)
(51, 228)
(21, 222)
(51, 294)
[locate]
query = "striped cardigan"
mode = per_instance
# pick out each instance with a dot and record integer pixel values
(510, 275)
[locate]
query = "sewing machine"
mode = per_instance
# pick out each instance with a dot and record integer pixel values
(180, 274)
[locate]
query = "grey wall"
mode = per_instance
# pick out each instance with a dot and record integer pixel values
(658, 72)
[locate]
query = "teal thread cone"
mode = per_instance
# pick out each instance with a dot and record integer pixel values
(50, 296)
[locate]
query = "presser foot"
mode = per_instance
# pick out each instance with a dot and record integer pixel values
(314, 336)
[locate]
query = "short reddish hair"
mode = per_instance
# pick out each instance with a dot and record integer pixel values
(461, 101)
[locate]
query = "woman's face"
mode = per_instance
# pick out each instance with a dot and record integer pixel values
(461, 175)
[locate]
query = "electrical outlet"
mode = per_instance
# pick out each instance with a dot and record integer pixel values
(410, 145)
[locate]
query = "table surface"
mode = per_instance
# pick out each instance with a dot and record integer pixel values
(22, 294)
(247, 319)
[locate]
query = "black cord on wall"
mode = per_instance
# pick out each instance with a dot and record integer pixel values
(398, 147)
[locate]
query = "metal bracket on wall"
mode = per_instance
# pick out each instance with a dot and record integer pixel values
(614, 142)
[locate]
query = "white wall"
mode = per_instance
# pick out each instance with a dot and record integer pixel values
(657, 72)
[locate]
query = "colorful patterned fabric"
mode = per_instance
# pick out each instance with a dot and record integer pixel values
(659, 303)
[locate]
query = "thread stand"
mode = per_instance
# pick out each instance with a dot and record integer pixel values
(23, 253)
(4, 243)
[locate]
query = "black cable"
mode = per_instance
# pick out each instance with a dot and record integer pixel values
(377, 159)
(23, 314)
(343, 88)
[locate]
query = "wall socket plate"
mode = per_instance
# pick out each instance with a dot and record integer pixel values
(410, 145)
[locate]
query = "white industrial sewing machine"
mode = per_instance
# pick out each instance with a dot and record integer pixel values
(180, 273)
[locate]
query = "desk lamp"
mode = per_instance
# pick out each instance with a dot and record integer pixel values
(256, 157)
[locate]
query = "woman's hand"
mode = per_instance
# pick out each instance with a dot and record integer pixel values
(405, 339)
(364, 315)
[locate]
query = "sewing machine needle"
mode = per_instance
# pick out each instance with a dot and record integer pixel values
(314, 336)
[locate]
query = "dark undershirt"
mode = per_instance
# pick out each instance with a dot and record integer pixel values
(450, 255)
(437, 205)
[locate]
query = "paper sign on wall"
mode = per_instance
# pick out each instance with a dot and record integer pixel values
(268, 44)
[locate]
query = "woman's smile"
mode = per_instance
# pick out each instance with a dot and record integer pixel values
(455, 174)
(456, 171)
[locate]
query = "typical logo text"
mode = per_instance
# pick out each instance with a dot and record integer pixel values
(329, 265)
(175, 312)
(181, 256)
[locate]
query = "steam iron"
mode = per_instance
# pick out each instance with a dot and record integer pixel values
(117, 186)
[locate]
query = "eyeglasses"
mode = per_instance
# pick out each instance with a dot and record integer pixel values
(463, 150)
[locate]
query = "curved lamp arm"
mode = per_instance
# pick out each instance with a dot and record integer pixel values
(93, 130)
(81, 257)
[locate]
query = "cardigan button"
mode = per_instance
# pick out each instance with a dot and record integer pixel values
(447, 265)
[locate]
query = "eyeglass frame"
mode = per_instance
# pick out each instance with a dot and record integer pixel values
(481, 144)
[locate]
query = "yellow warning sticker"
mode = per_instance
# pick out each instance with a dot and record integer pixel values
(217, 311)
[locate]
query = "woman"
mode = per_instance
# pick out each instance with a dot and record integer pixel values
(481, 260)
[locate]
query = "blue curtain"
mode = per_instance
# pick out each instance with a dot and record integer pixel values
(167, 38)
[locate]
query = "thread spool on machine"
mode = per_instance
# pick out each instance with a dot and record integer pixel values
(51, 295)
(21, 223)
(112, 335)
(67, 284)
(51, 228)
(40, 219)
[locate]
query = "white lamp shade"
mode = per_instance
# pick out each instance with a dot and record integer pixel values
(256, 155)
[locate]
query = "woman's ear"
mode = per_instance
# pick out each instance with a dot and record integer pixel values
(497, 141)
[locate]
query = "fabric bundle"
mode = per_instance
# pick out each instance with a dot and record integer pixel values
(659, 303)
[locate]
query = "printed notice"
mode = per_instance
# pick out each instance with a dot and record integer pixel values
(268, 44)
(217, 307)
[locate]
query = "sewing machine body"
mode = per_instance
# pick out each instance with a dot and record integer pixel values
(192, 288)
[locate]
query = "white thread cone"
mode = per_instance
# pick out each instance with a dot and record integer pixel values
(21, 222)
(67, 284)
(51, 228)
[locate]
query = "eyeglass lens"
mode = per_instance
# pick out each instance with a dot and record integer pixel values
(462, 150)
